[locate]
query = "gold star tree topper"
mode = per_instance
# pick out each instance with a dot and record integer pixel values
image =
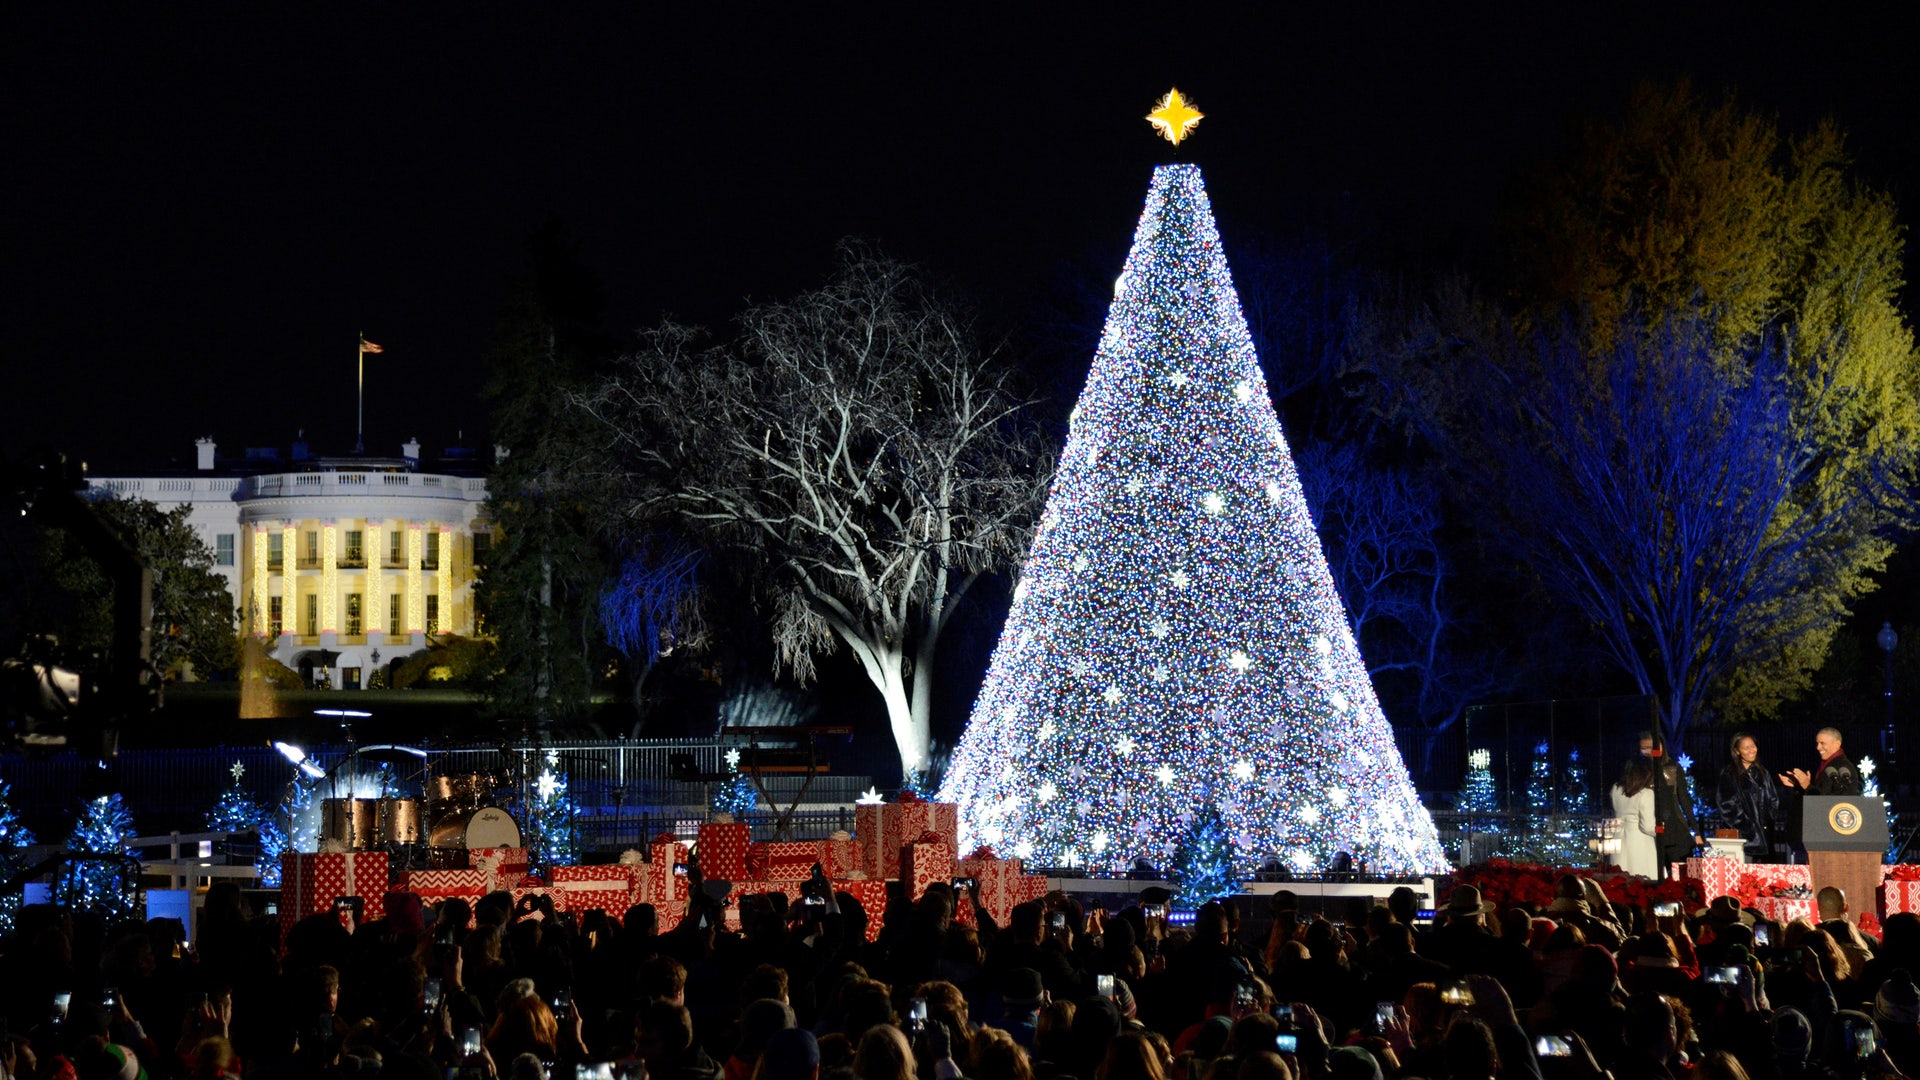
(1174, 116)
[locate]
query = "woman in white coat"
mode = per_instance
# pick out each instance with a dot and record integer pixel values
(1633, 805)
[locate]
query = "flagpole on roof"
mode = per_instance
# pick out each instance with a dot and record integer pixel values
(360, 419)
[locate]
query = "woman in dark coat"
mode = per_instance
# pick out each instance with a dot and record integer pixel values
(1748, 798)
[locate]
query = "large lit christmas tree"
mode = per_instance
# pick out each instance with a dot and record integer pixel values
(1175, 640)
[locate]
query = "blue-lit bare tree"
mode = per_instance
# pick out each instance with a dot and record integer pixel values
(1676, 500)
(1380, 526)
(653, 608)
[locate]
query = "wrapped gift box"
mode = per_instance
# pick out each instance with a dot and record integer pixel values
(504, 867)
(436, 885)
(1785, 909)
(1719, 877)
(1029, 887)
(655, 882)
(1898, 896)
(997, 884)
(723, 850)
(309, 884)
(873, 900)
(608, 888)
(923, 863)
(840, 856)
(559, 896)
(883, 828)
(785, 861)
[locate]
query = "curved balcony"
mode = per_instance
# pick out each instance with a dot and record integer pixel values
(334, 484)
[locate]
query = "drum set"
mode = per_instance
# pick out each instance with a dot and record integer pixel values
(451, 814)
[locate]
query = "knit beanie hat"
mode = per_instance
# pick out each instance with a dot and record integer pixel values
(1792, 1035)
(1353, 1063)
(1596, 966)
(1898, 1001)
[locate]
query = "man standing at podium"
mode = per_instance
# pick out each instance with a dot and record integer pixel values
(1835, 775)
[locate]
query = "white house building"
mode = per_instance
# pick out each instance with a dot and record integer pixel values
(343, 565)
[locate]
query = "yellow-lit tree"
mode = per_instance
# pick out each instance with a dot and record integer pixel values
(1688, 206)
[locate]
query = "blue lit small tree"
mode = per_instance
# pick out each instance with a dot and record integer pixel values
(104, 887)
(1202, 867)
(235, 810)
(556, 831)
(736, 796)
(15, 839)
(1479, 800)
(274, 843)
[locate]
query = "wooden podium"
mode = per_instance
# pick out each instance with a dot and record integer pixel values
(1846, 838)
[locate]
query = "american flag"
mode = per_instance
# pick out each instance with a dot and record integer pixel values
(368, 346)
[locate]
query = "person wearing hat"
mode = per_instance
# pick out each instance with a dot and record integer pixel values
(793, 1054)
(1792, 1044)
(1571, 905)
(1463, 942)
(1896, 1019)
(1021, 999)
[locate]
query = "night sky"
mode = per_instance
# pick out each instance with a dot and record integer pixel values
(204, 204)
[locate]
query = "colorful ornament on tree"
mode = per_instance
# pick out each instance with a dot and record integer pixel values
(1164, 632)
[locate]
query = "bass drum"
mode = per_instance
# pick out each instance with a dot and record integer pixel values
(486, 827)
(492, 827)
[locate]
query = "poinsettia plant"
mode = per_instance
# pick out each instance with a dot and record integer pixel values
(1508, 884)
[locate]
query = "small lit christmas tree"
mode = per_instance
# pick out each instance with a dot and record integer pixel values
(1202, 867)
(1540, 787)
(274, 843)
(1479, 800)
(107, 888)
(15, 839)
(1867, 767)
(736, 796)
(1576, 794)
(235, 811)
(556, 833)
(1480, 795)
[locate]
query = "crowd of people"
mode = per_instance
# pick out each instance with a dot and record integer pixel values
(1251, 988)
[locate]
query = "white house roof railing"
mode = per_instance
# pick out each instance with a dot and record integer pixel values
(420, 485)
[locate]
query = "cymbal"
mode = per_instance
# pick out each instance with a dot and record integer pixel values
(392, 755)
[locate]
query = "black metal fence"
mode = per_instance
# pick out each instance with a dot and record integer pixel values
(618, 781)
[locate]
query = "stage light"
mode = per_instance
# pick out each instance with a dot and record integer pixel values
(356, 713)
(299, 757)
